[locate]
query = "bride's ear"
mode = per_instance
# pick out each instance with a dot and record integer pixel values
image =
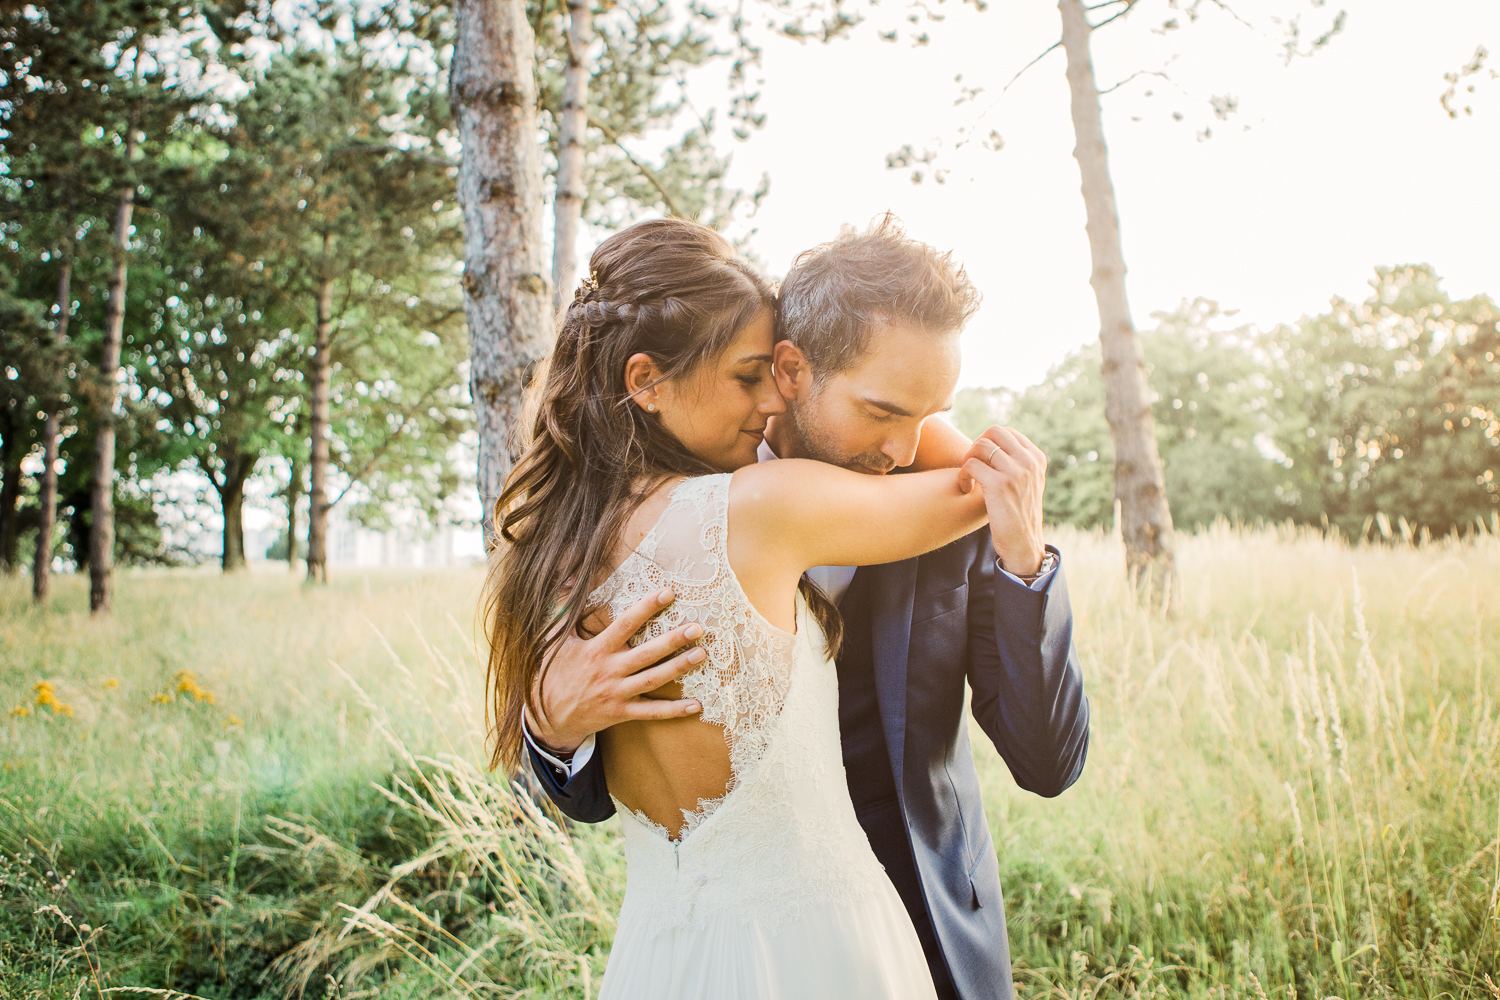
(642, 378)
(790, 369)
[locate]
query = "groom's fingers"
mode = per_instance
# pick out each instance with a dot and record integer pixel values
(1030, 446)
(1010, 443)
(655, 708)
(649, 680)
(663, 646)
(634, 618)
(983, 473)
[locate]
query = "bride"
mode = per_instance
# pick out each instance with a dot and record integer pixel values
(748, 875)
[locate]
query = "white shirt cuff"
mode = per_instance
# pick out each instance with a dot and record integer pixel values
(570, 767)
(1039, 584)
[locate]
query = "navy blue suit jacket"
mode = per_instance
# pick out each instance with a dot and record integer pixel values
(940, 621)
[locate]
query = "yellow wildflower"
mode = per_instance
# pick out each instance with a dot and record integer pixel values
(111, 684)
(235, 720)
(162, 698)
(187, 683)
(20, 711)
(46, 695)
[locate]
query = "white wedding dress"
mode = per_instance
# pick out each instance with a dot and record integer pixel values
(770, 891)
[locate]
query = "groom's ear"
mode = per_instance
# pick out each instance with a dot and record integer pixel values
(789, 366)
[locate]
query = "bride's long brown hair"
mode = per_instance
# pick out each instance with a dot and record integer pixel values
(673, 290)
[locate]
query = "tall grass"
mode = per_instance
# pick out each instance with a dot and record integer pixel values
(1293, 790)
(1293, 786)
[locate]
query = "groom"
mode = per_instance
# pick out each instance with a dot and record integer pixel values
(869, 328)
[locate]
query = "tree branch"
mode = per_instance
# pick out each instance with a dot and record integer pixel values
(1139, 72)
(1045, 52)
(646, 171)
(1129, 5)
(1232, 13)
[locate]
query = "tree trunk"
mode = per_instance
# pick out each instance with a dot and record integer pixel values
(102, 531)
(293, 494)
(493, 94)
(10, 492)
(232, 502)
(322, 375)
(567, 206)
(41, 570)
(1140, 489)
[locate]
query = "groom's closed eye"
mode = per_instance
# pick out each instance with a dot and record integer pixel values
(883, 410)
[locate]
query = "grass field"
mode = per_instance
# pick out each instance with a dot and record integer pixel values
(243, 788)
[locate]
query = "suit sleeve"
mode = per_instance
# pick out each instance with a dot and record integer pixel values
(1025, 675)
(584, 797)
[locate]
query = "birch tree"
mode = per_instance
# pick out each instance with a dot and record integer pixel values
(573, 125)
(1140, 485)
(1140, 489)
(46, 525)
(107, 394)
(492, 91)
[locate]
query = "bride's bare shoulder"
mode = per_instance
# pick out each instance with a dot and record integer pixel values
(772, 479)
(778, 496)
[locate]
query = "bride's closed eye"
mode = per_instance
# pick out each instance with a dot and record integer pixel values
(752, 377)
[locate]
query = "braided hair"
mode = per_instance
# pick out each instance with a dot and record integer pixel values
(677, 292)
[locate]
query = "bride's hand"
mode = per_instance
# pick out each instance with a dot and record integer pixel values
(1012, 472)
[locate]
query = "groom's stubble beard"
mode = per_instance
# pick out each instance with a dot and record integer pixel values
(816, 443)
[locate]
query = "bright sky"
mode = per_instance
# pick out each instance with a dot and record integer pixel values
(1348, 162)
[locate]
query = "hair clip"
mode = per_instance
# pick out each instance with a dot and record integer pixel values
(587, 286)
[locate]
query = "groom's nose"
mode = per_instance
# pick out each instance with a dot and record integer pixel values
(901, 447)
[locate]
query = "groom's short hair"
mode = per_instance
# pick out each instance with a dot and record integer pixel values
(838, 293)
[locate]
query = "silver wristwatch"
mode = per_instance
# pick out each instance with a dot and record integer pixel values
(1049, 563)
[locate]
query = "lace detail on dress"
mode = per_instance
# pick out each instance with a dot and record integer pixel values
(743, 681)
(783, 838)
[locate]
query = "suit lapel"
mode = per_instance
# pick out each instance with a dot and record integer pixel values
(892, 590)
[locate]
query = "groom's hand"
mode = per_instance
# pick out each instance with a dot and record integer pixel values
(593, 684)
(1012, 472)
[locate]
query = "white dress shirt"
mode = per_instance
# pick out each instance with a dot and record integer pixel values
(833, 581)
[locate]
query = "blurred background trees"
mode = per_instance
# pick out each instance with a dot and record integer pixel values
(1368, 417)
(289, 264)
(291, 318)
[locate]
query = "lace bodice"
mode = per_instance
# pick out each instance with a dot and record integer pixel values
(772, 888)
(784, 835)
(743, 682)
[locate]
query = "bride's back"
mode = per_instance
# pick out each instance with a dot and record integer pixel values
(675, 772)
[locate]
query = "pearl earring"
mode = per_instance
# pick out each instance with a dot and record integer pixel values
(651, 407)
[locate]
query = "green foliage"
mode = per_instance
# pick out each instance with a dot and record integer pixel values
(274, 154)
(331, 171)
(1389, 406)
(1209, 403)
(1384, 409)
(328, 164)
(67, 103)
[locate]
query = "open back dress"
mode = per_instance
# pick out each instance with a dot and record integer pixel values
(770, 890)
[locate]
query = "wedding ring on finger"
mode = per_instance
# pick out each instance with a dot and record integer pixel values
(990, 458)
